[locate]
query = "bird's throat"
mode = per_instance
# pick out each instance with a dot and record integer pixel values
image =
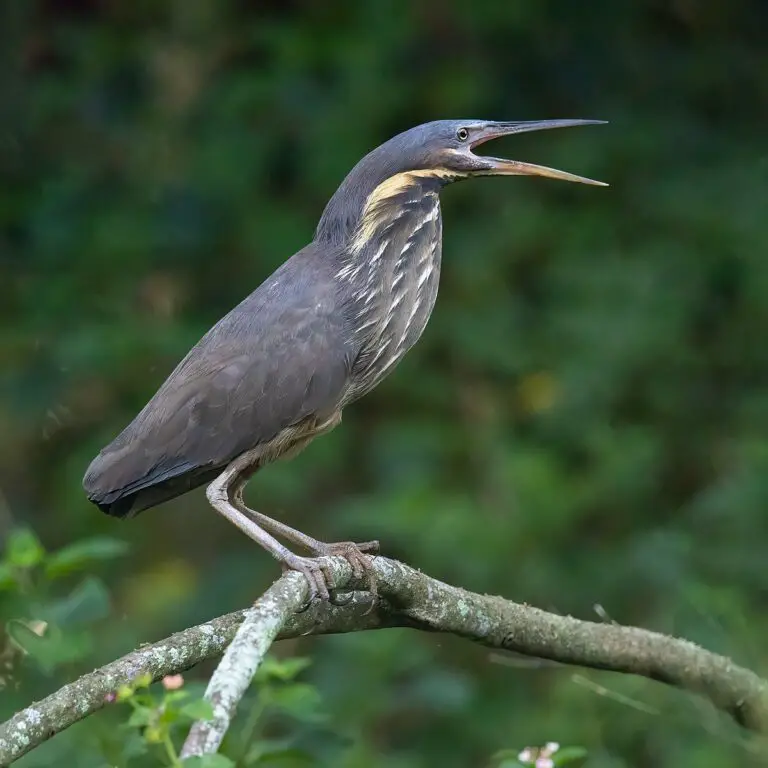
(391, 270)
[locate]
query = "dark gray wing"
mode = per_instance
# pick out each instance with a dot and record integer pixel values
(277, 358)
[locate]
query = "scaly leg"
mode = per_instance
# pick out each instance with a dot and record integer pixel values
(225, 496)
(316, 572)
(351, 551)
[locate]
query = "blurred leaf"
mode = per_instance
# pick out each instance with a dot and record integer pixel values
(25, 637)
(570, 756)
(281, 669)
(262, 747)
(199, 709)
(146, 699)
(87, 602)
(142, 681)
(81, 554)
(278, 756)
(124, 692)
(133, 745)
(141, 716)
(7, 579)
(297, 699)
(506, 758)
(53, 647)
(24, 549)
(171, 697)
(208, 761)
(154, 734)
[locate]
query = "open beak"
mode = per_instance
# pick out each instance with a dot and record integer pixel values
(496, 166)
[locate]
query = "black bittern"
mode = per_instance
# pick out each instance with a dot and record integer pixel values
(323, 330)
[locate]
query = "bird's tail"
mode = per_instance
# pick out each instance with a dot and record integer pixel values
(109, 485)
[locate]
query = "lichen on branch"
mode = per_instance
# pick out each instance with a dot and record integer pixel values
(407, 598)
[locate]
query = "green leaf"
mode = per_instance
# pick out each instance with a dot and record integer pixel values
(284, 670)
(87, 602)
(81, 554)
(264, 748)
(142, 681)
(154, 734)
(144, 699)
(208, 761)
(53, 647)
(198, 709)
(24, 549)
(297, 699)
(7, 578)
(133, 745)
(569, 755)
(141, 716)
(25, 638)
(171, 697)
(124, 692)
(292, 756)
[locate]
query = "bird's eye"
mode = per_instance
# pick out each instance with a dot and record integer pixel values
(462, 134)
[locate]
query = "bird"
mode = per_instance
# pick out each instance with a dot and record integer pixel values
(318, 334)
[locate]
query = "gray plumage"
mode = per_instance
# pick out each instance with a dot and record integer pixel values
(320, 332)
(277, 358)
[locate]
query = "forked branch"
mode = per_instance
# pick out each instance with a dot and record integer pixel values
(407, 598)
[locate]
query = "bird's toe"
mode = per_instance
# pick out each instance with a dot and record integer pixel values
(316, 572)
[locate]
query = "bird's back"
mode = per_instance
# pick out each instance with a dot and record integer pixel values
(282, 355)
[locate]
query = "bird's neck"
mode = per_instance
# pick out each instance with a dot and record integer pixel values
(364, 191)
(388, 274)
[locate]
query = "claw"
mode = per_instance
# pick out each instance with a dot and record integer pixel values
(357, 569)
(358, 561)
(316, 572)
(341, 599)
(307, 605)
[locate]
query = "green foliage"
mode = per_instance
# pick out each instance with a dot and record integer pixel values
(549, 756)
(582, 423)
(158, 717)
(47, 620)
(49, 645)
(208, 761)
(82, 554)
(162, 719)
(23, 550)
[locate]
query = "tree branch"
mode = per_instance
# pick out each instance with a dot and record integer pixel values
(408, 598)
(232, 677)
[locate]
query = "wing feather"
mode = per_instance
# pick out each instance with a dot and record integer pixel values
(277, 358)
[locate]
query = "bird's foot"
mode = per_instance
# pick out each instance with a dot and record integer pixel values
(317, 573)
(357, 557)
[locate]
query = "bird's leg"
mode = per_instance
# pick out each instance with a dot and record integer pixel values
(317, 573)
(353, 552)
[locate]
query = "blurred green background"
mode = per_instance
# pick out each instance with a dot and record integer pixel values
(582, 424)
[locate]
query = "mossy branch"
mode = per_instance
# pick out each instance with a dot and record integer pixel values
(407, 598)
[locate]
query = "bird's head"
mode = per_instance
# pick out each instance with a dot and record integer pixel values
(438, 152)
(446, 148)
